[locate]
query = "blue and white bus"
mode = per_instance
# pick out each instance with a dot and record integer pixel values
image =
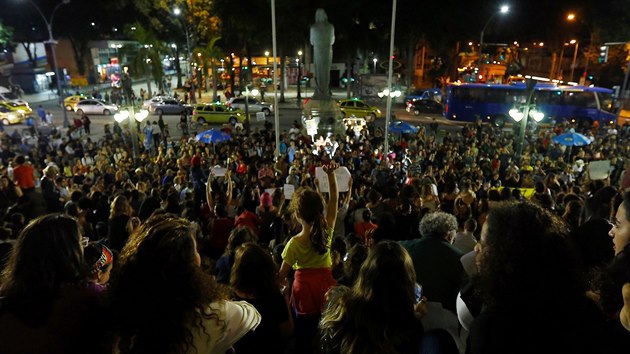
(491, 103)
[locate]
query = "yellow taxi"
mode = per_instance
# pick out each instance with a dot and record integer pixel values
(217, 113)
(356, 107)
(8, 117)
(70, 102)
(20, 108)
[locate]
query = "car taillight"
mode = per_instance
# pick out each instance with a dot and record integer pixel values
(194, 112)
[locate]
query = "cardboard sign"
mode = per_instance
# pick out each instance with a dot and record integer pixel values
(218, 171)
(289, 189)
(599, 169)
(311, 126)
(342, 175)
(260, 116)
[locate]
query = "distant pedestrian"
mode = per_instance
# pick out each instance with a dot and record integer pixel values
(49, 118)
(156, 135)
(41, 112)
(86, 123)
(185, 97)
(107, 97)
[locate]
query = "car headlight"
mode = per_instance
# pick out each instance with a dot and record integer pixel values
(21, 111)
(238, 114)
(378, 111)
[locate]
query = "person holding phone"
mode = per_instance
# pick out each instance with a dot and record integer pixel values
(382, 312)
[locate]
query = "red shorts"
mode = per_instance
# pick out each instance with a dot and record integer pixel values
(309, 290)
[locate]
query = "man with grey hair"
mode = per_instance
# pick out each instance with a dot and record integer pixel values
(436, 261)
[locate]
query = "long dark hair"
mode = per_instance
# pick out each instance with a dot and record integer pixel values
(526, 259)
(308, 205)
(377, 314)
(157, 288)
(254, 271)
(46, 256)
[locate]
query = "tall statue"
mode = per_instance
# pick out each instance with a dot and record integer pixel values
(322, 39)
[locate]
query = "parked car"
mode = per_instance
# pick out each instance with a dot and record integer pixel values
(217, 113)
(424, 106)
(253, 105)
(70, 102)
(17, 107)
(94, 106)
(356, 107)
(169, 106)
(6, 95)
(8, 117)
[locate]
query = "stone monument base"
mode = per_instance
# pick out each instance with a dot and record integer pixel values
(327, 115)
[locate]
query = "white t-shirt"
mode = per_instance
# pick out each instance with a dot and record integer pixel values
(224, 323)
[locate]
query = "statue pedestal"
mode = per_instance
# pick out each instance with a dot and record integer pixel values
(325, 115)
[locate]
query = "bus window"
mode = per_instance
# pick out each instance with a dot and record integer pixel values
(496, 96)
(606, 102)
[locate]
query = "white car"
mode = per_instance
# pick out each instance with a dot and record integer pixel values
(253, 105)
(94, 106)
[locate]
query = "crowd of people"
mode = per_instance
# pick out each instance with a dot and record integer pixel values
(448, 243)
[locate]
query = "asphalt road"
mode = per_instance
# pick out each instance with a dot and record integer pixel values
(287, 116)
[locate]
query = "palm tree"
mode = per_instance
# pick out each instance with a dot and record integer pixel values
(147, 56)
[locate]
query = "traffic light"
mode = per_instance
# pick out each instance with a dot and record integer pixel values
(603, 54)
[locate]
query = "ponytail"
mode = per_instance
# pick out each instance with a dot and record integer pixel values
(319, 235)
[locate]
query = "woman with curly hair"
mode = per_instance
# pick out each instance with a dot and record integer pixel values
(533, 298)
(45, 307)
(119, 215)
(163, 302)
(308, 253)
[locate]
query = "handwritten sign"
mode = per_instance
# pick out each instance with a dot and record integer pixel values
(599, 169)
(218, 171)
(289, 189)
(342, 175)
(311, 126)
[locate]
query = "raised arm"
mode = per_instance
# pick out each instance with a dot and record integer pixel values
(209, 193)
(333, 194)
(230, 186)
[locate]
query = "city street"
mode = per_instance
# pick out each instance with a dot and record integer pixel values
(288, 111)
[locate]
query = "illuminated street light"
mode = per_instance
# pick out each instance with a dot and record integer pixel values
(503, 10)
(374, 60)
(53, 43)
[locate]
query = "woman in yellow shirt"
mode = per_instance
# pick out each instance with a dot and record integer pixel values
(308, 253)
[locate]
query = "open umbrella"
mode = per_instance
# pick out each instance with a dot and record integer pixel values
(402, 127)
(571, 139)
(212, 136)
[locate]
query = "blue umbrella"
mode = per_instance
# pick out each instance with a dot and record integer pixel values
(571, 139)
(212, 136)
(402, 127)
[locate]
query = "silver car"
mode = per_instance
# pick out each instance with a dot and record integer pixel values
(253, 105)
(155, 100)
(169, 106)
(94, 106)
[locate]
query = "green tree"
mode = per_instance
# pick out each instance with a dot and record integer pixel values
(6, 34)
(147, 55)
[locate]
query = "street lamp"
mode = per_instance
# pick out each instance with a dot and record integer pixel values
(178, 12)
(572, 17)
(299, 77)
(374, 60)
(503, 10)
(138, 117)
(577, 44)
(52, 42)
(523, 113)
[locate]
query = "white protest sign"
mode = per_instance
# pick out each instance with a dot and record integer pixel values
(260, 116)
(218, 171)
(342, 175)
(599, 169)
(289, 189)
(311, 126)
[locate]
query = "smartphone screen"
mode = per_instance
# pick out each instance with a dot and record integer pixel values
(418, 292)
